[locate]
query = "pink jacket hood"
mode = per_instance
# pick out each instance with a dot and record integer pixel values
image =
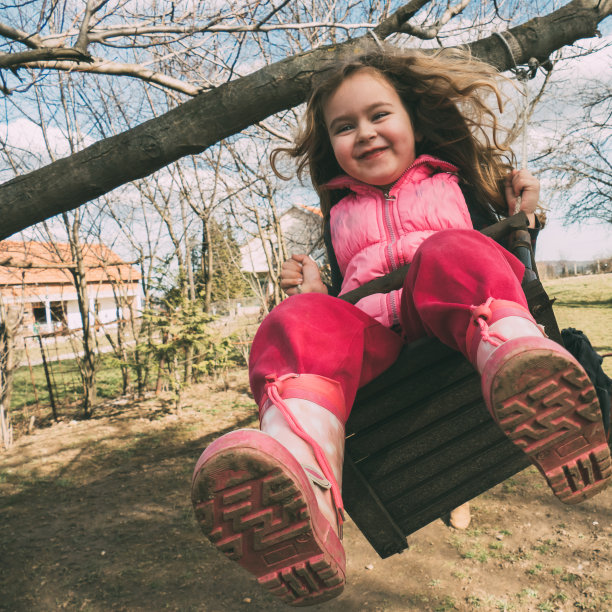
(374, 232)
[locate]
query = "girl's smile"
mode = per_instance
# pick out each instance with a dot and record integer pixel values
(373, 153)
(370, 129)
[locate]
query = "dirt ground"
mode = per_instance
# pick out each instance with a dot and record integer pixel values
(95, 515)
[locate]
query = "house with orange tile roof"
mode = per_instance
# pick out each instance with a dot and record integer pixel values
(37, 276)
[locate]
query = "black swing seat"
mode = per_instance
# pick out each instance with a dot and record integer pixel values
(420, 440)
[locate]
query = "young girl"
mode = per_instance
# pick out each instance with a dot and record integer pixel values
(403, 152)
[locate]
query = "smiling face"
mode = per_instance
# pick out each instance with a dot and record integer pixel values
(369, 128)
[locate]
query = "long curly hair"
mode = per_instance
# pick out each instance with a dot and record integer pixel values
(447, 95)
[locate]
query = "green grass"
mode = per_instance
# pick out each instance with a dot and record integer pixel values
(592, 291)
(535, 570)
(585, 303)
(66, 384)
(546, 547)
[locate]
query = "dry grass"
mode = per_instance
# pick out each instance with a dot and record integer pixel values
(95, 516)
(585, 302)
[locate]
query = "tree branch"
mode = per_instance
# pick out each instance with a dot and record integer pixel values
(101, 35)
(230, 108)
(395, 23)
(82, 40)
(136, 71)
(40, 56)
(427, 33)
(34, 41)
(273, 12)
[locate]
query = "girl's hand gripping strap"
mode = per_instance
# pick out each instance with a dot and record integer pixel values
(273, 393)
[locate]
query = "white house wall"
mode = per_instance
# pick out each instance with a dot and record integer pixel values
(301, 230)
(73, 316)
(102, 294)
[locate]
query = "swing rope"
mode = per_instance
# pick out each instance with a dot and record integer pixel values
(523, 75)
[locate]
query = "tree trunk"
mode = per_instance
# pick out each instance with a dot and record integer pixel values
(162, 365)
(142, 359)
(230, 108)
(88, 364)
(208, 262)
(121, 347)
(189, 354)
(12, 318)
(7, 369)
(125, 366)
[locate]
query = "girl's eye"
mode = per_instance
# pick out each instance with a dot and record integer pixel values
(344, 128)
(380, 115)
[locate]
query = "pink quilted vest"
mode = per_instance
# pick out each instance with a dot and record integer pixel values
(374, 233)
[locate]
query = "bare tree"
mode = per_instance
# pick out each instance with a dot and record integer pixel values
(229, 102)
(257, 214)
(89, 361)
(142, 232)
(579, 163)
(73, 259)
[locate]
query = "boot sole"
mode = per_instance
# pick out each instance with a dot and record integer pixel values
(546, 404)
(255, 511)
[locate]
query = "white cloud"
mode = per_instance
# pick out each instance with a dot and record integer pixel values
(28, 136)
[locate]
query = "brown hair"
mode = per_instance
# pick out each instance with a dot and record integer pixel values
(445, 94)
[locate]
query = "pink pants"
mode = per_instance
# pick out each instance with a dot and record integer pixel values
(318, 334)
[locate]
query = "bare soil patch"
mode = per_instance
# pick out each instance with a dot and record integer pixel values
(95, 515)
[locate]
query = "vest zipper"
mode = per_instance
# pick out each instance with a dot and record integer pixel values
(391, 297)
(392, 235)
(389, 199)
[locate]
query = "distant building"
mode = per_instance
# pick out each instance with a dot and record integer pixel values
(38, 282)
(561, 268)
(301, 227)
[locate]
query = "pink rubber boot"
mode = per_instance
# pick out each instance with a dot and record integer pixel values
(270, 500)
(542, 399)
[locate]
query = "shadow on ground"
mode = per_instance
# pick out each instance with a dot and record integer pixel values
(96, 516)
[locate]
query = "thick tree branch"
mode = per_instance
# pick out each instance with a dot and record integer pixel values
(37, 56)
(34, 41)
(429, 32)
(83, 39)
(103, 35)
(395, 23)
(541, 36)
(136, 71)
(230, 108)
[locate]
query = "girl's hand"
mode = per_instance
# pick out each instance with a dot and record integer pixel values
(300, 274)
(522, 183)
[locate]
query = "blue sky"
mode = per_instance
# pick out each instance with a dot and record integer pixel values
(557, 241)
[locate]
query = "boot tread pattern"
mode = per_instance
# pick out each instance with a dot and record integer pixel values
(557, 422)
(593, 470)
(299, 581)
(263, 523)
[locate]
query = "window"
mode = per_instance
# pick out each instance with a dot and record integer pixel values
(58, 312)
(39, 312)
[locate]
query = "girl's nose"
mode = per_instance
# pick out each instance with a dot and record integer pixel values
(366, 131)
